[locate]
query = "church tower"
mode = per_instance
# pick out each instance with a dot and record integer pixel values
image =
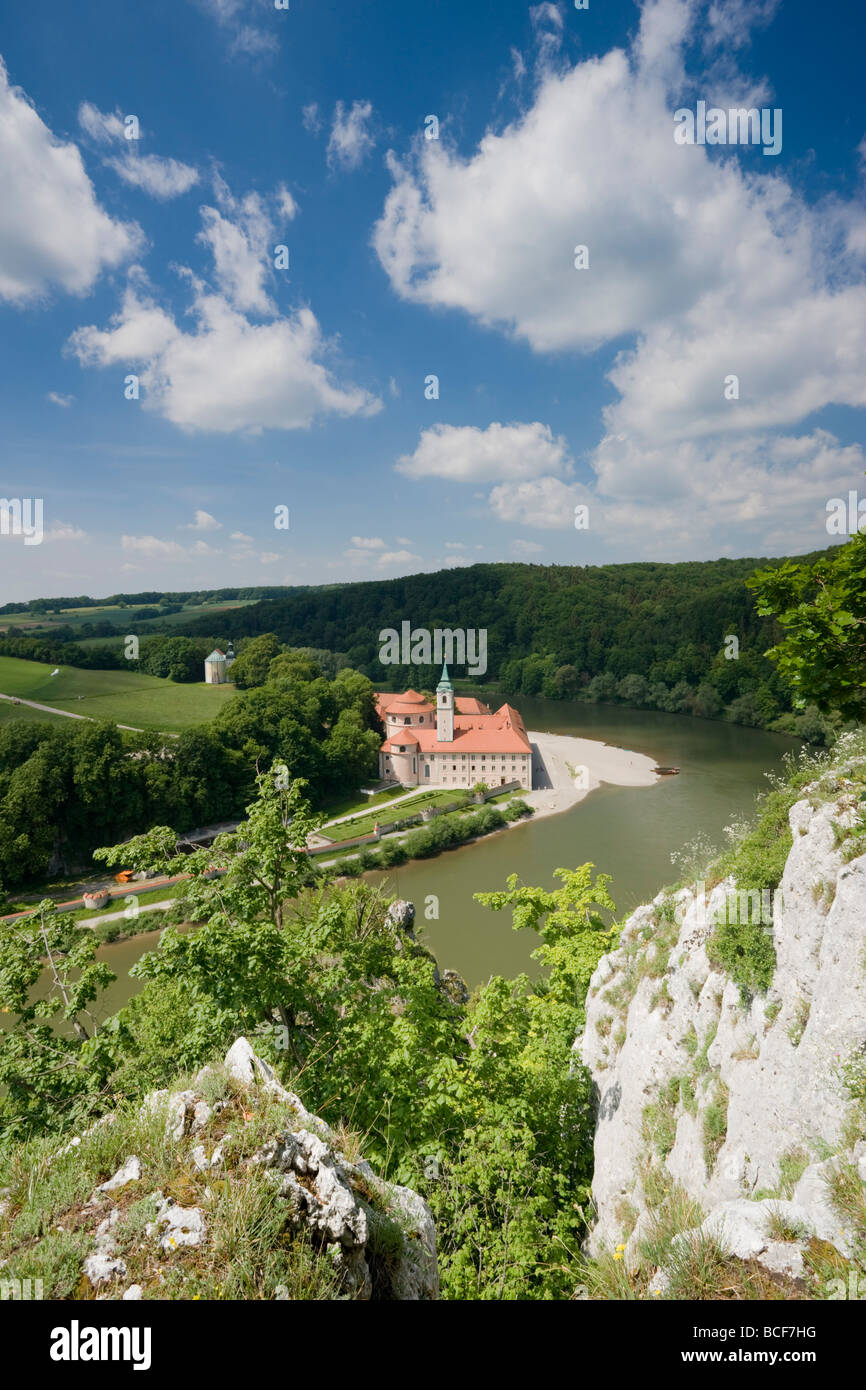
(445, 708)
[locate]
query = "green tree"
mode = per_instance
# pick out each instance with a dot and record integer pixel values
(634, 689)
(821, 608)
(251, 665)
(46, 1070)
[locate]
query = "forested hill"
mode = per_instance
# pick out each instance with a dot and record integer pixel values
(557, 630)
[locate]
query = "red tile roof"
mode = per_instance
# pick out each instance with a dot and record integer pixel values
(404, 737)
(502, 732)
(413, 703)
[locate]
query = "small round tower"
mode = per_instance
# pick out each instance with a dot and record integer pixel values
(215, 667)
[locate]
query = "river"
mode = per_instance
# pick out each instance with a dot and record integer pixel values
(628, 832)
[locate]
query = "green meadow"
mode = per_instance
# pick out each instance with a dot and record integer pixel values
(126, 697)
(43, 624)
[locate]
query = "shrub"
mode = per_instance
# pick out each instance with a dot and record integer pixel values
(392, 852)
(745, 951)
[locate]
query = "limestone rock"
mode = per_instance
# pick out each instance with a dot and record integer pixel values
(201, 1116)
(328, 1205)
(183, 1225)
(401, 914)
(130, 1172)
(243, 1066)
(103, 1263)
(770, 1078)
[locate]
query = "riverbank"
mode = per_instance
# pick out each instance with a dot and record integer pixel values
(626, 831)
(566, 768)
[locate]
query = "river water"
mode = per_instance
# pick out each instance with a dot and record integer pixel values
(628, 832)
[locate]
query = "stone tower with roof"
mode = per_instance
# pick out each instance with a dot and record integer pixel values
(215, 667)
(445, 708)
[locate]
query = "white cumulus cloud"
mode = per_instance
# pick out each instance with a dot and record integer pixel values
(53, 231)
(703, 265)
(466, 453)
(225, 373)
(161, 177)
(202, 521)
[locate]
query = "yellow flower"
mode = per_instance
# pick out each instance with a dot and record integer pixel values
(617, 1254)
(620, 1247)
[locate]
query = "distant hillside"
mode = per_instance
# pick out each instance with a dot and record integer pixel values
(649, 635)
(556, 630)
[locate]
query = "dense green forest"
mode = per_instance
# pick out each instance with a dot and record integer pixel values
(65, 790)
(646, 634)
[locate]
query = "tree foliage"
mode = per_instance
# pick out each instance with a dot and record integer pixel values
(821, 607)
(480, 1105)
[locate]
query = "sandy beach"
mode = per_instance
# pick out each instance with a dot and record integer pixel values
(565, 769)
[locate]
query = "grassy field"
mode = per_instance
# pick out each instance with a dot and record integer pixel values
(346, 803)
(363, 825)
(11, 714)
(43, 624)
(126, 697)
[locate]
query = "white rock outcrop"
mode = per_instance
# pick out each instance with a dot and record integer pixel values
(343, 1205)
(735, 1099)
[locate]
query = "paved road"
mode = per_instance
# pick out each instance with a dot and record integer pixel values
(52, 709)
(69, 714)
(113, 916)
(148, 885)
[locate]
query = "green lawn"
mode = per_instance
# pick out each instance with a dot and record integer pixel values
(347, 803)
(126, 697)
(363, 825)
(10, 714)
(43, 624)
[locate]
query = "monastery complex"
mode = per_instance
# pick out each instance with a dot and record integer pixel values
(455, 743)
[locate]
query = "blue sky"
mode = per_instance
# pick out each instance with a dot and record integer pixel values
(559, 388)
